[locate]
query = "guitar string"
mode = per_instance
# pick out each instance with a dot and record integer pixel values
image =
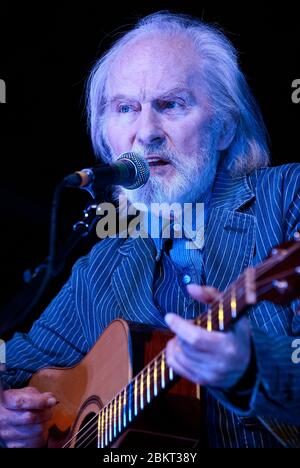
(215, 303)
(121, 393)
(282, 275)
(107, 429)
(270, 262)
(125, 409)
(144, 371)
(259, 270)
(151, 365)
(110, 423)
(127, 385)
(157, 358)
(132, 395)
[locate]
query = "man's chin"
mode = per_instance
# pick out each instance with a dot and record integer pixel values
(163, 198)
(162, 190)
(164, 171)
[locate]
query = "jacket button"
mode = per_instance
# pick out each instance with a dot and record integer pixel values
(186, 279)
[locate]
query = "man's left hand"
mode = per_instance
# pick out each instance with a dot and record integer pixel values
(215, 359)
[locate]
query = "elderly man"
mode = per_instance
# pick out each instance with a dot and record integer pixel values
(171, 90)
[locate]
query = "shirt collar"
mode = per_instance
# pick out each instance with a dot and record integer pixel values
(173, 229)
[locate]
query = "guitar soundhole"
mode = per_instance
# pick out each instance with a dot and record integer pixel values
(87, 436)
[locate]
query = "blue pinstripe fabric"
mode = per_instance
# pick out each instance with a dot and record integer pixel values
(121, 278)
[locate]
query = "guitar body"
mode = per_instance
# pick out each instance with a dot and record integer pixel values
(123, 394)
(172, 420)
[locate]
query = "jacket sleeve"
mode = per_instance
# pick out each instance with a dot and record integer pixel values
(277, 388)
(271, 387)
(55, 339)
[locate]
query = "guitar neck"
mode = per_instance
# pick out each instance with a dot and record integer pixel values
(231, 304)
(157, 377)
(276, 279)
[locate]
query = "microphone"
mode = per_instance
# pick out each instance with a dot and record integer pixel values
(130, 170)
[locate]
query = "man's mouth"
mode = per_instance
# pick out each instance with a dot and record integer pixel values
(156, 161)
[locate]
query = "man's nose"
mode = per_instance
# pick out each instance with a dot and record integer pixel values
(149, 128)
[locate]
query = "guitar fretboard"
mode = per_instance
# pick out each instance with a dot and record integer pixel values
(156, 377)
(275, 279)
(114, 418)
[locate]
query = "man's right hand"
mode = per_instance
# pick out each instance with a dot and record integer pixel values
(24, 415)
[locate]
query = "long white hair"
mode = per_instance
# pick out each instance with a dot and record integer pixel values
(228, 90)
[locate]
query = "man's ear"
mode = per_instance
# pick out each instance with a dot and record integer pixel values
(227, 133)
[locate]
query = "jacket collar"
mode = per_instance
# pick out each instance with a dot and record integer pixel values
(231, 193)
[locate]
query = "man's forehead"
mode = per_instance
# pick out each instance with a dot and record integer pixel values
(155, 46)
(153, 67)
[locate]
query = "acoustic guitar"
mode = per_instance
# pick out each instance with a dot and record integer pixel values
(123, 394)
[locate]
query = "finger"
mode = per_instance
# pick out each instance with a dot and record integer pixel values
(189, 357)
(23, 432)
(28, 400)
(180, 366)
(192, 334)
(204, 294)
(29, 443)
(24, 418)
(201, 371)
(198, 355)
(1, 388)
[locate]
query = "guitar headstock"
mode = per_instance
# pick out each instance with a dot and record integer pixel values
(278, 278)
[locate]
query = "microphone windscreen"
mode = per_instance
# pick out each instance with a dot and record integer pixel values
(141, 166)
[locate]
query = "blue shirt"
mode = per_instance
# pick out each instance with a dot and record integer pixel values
(124, 278)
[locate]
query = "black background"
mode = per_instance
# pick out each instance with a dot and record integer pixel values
(46, 53)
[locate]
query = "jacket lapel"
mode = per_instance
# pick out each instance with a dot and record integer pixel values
(133, 279)
(230, 232)
(229, 250)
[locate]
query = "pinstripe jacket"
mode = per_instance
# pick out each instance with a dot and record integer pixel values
(249, 215)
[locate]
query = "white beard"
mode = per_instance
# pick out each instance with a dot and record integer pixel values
(192, 181)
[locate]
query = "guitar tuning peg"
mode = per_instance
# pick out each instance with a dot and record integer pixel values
(279, 251)
(281, 286)
(297, 236)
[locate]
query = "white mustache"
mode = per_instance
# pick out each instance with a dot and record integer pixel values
(165, 154)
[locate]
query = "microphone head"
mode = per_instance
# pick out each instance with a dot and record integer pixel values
(142, 169)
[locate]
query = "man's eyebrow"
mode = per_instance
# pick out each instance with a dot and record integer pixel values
(120, 97)
(178, 90)
(164, 95)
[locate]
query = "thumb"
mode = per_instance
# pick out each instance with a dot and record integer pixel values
(204, 294)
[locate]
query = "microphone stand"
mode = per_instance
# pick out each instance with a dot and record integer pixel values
(80, 229)
(37, 281)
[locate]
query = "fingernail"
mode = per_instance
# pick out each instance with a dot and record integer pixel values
(52, 401)
(168, 319)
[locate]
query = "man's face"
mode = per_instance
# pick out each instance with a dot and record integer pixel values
(157, 107)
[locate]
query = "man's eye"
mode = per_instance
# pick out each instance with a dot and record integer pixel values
(172, 105)
(124, 108)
